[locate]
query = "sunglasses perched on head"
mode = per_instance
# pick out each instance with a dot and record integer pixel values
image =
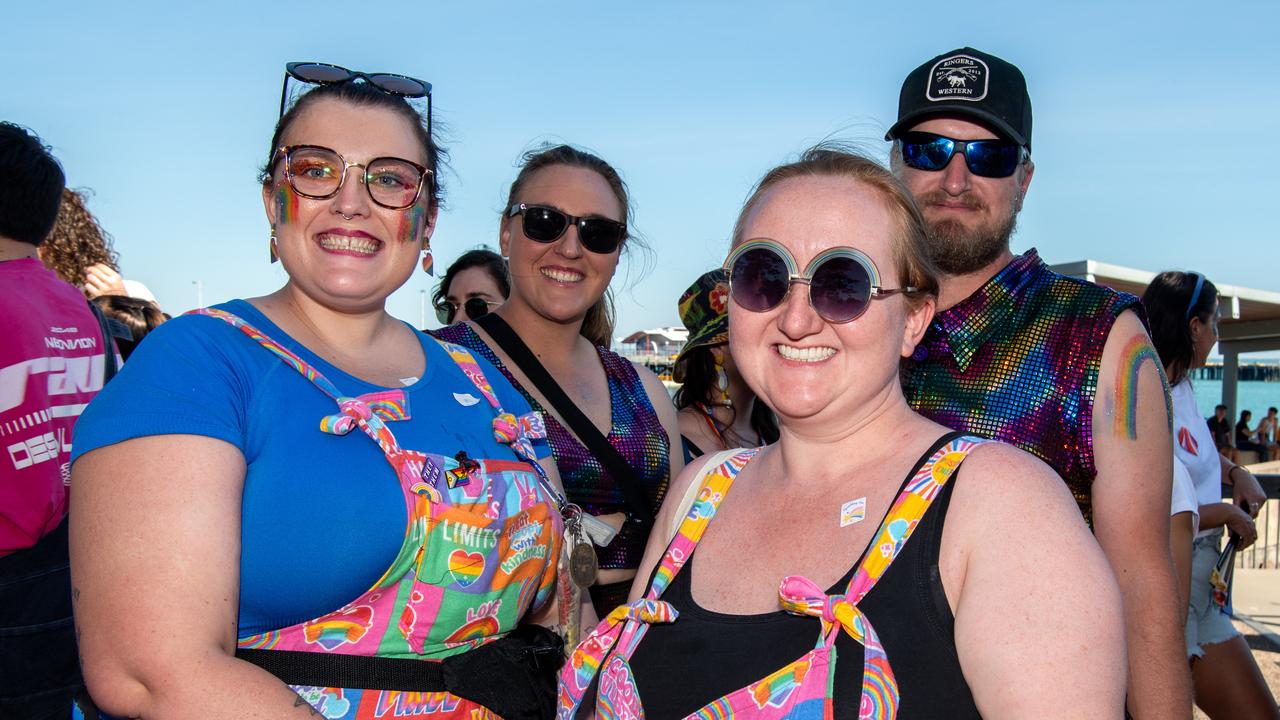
(318, 173)
(476, 307)
(842, 281)
(546, 224)
(317, 73)
(985, 158)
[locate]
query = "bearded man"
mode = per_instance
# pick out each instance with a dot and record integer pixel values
(1057, 366)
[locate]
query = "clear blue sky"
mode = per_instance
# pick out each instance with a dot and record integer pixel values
(1154, 122)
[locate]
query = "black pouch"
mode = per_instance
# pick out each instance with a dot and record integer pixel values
(514, 677)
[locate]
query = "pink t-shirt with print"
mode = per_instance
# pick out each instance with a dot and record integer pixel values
(51, 366)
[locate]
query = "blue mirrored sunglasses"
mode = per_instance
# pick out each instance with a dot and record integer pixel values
(985, 158)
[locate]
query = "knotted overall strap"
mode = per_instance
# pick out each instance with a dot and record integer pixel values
(630, 619)
(369, 412)
(801, 596)
(516, 432)
(584, 664)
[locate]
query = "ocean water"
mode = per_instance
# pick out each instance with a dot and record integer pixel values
(1255, 396)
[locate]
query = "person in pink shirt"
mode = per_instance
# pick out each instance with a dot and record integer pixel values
(51, 366)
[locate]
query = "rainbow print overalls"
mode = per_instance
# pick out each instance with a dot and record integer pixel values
(801, 689)
(480, 550)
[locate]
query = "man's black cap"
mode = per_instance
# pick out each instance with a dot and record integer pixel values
(967, 83)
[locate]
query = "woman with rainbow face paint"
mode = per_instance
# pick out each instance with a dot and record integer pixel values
(1182, 308)
(869, 563)
(296, 504)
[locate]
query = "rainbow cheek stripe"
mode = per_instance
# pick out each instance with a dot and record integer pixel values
(411, 222)
(1137, 351)
(286, 204)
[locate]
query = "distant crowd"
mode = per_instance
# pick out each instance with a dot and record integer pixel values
(920, 476)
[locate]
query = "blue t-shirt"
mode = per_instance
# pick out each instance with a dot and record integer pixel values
(323, 515)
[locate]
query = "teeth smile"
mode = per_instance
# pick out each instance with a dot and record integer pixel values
(565, 276)
(807, 355)
(349, 244)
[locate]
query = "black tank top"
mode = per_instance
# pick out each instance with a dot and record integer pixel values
(907, 607)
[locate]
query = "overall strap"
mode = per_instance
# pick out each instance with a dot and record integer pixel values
(587, 658)
(369, 412)
(714, 487)
(518, 432)
(801, 596)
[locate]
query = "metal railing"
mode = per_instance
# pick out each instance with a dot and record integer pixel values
(1265, 553)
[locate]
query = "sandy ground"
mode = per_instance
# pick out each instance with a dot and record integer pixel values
(1266, 654)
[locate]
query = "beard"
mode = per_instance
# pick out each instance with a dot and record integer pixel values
(957, 249)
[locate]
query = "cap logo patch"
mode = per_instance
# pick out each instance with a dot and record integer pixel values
(959, 77)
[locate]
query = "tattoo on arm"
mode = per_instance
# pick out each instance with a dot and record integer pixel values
(1136, 352)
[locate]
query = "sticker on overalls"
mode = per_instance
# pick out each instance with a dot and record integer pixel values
(853, 512)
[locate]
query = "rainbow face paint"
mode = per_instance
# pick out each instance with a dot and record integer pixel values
(286, 204)
(411, 222)
(1136, 352)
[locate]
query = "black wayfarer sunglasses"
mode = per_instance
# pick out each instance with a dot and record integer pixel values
(546, 224)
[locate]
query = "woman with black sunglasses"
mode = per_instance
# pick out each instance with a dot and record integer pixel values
(804, 602)
(474, 284)
(297, 504)
(610, 423)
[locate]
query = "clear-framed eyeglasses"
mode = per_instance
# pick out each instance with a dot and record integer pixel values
(318, 173)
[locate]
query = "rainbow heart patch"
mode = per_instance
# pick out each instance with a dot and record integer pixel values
(466, 567)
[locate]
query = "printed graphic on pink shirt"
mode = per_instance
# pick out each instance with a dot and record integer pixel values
(51, 366)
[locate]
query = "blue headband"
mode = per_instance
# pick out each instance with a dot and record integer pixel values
(1195, 295)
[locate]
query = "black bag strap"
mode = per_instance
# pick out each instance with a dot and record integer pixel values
(578, 422)
(108, 345)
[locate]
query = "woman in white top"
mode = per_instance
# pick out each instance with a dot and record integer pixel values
(1183, 310)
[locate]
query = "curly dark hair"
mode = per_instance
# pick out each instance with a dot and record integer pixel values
(77, 241)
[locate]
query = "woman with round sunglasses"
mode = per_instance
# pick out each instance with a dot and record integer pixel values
(826, 583)
(1182, 308)
(717, 410)
(563, 232)
(297, 504)
(474, 284)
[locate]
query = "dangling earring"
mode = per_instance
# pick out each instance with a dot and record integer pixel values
(428, 263)
(272, 243)
(722, 384)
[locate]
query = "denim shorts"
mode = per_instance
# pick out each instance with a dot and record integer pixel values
(1206, 624)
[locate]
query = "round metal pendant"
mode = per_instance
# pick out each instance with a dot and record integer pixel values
(583, 565)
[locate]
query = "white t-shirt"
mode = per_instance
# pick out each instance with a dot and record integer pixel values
(1193, 446)
(1184, 495)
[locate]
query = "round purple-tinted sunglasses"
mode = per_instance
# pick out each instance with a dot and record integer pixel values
(841, 280)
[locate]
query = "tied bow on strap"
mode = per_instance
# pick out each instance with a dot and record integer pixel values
(799, 595)
(584, 664)
(387, 405)
(508, 428)
(646, 611)
(519, 433)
